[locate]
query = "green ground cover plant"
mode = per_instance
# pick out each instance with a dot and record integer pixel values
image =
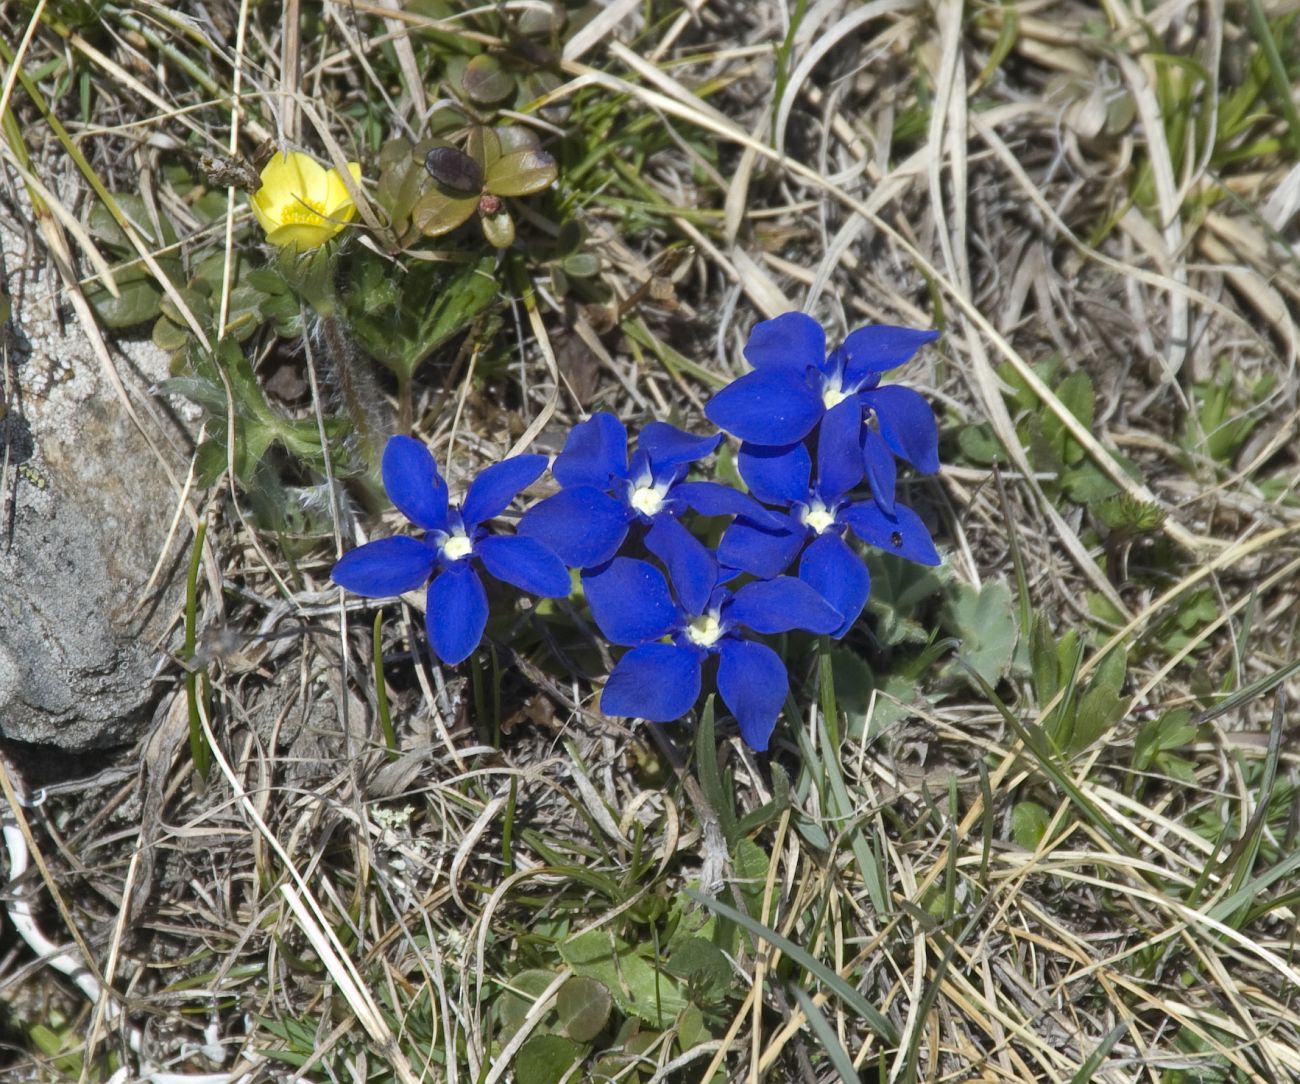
(1031, 816)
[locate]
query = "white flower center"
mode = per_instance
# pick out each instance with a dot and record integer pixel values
(705, 631)
(833, 394)
(647, 500)
(818, 517)
(456, 547)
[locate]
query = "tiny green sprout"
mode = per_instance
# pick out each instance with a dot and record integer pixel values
(1126, 514)
(496, 164)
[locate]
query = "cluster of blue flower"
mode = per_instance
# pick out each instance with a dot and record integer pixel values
(814, 428)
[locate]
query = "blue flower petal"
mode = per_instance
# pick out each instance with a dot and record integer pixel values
(761, 550)
(769, 406)
(793, 341)
(595, 452)
(691, 568)
(836, 573)
(667, 447)
(630, 601)
(659, 682)
(583, 525)
(496, 486)
(782, 604)
(778, 475)
(385, 567)
(715, 499)
(839, 454)
(413, 484)
(753, 683)
(882, 471)
(902, 533)
(456, 612)
(524, 563)
(907, 424)
(872, 350)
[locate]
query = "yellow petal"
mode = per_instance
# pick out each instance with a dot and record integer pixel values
(304, 235)
(337, 198)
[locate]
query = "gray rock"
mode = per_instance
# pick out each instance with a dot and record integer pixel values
(87, 510)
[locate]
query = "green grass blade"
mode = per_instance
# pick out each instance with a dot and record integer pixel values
(839, 1057)
(837, 985)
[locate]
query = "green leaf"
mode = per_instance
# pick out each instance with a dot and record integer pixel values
(842, 989)
(547, 1059)
(979, 444)
(401, 329)
(716, 790)
(436, 213)
(703, 966)
(484, 80)
(749, 863)
(1098, 711)
(518, 999)
(499, 229)
(636, 984)
(169, 336)
(521, 173)
(581, 265)
(1086, 484)
(691, 1030)
(985, 621)
(583, 1005)
(137, 301)
(1029, 822)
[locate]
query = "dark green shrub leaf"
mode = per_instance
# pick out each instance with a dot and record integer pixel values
(499, 229)
(436, 213)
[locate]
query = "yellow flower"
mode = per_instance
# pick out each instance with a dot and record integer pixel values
(302, 203)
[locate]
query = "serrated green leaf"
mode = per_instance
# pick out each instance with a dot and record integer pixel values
(1086, 484)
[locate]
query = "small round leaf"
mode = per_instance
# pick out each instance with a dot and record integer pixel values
(435, 214)
(485, 82)
(521, 173)
(499, 229)
(455, 169)
(583, 1005)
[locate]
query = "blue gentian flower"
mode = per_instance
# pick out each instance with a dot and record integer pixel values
(818, 514)
(795, 385)
(456, 545)
(603, 494)
(659, 679)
